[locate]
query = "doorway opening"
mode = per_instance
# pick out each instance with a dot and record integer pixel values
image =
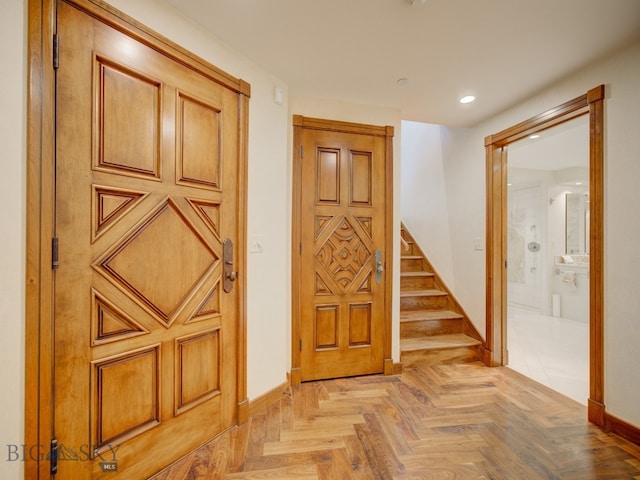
(548, 258)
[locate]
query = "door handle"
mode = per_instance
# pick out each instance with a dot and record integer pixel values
(379, 266)
(228, 274)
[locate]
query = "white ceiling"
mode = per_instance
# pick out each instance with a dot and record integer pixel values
(501, 51)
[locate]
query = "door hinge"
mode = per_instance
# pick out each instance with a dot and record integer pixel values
(54, 253)
(300, 344)
(505, 264)
(301, 151)
(56, 51)
(53, 456)
(300, 248)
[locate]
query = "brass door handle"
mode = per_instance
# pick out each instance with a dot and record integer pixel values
(228, 274)
(379, 266)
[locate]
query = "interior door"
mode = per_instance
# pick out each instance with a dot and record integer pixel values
(342, 277)
(147, 155)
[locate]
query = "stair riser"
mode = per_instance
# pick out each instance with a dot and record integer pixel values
(423, 303)
(421, 328)
(412, 250)
(416, 283)
(424, 358)
(411, 264)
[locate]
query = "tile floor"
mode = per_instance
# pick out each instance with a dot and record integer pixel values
(552, 351)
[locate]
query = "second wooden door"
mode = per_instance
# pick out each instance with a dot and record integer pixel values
(343, 279)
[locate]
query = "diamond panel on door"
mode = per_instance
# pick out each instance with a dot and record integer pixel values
(343, 254)
(148, 250)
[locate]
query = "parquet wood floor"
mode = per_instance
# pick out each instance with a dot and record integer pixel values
(446, 422)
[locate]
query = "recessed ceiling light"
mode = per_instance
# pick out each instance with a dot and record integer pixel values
(534, 136)
(403, 81)
(467, 99)
(578, 183)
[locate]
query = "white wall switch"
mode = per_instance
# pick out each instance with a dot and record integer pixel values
(278, 95)
(256, 243)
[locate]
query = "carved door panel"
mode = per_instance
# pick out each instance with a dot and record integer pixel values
(146, 173)
(342, 299)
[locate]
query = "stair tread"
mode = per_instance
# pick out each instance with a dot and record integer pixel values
(417, 315)
(411, 257)
(416, 274)
(422, 293)
(438, 342)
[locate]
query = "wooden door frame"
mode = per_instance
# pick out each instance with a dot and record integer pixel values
(300, 122)
(40, 214)
(592, 104)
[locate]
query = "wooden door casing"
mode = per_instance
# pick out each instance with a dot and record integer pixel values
(591, 103)
(342, 215)
(117, 241)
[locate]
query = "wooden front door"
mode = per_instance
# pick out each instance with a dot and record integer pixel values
(147, 213)
(341, 277)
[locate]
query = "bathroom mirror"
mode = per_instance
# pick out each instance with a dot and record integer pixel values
(577, 224)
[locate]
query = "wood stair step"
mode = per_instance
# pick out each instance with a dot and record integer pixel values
(416, 280)
(438, 350)
(424, 299)
(411, 263)
(438, 342)
(416, 274)
(420, 323)
(422, 293)
(420, 315)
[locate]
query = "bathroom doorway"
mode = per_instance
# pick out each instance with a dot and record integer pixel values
(547, 258)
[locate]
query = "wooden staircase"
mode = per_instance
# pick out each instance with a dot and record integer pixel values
(434, 328)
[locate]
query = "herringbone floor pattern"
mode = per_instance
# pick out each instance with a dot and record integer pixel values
(447, 422)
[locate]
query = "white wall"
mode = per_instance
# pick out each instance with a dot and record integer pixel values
(12, 214)
(423, 195)
(349, 112)
(465, 178)
(464, 170)
(622, 231)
